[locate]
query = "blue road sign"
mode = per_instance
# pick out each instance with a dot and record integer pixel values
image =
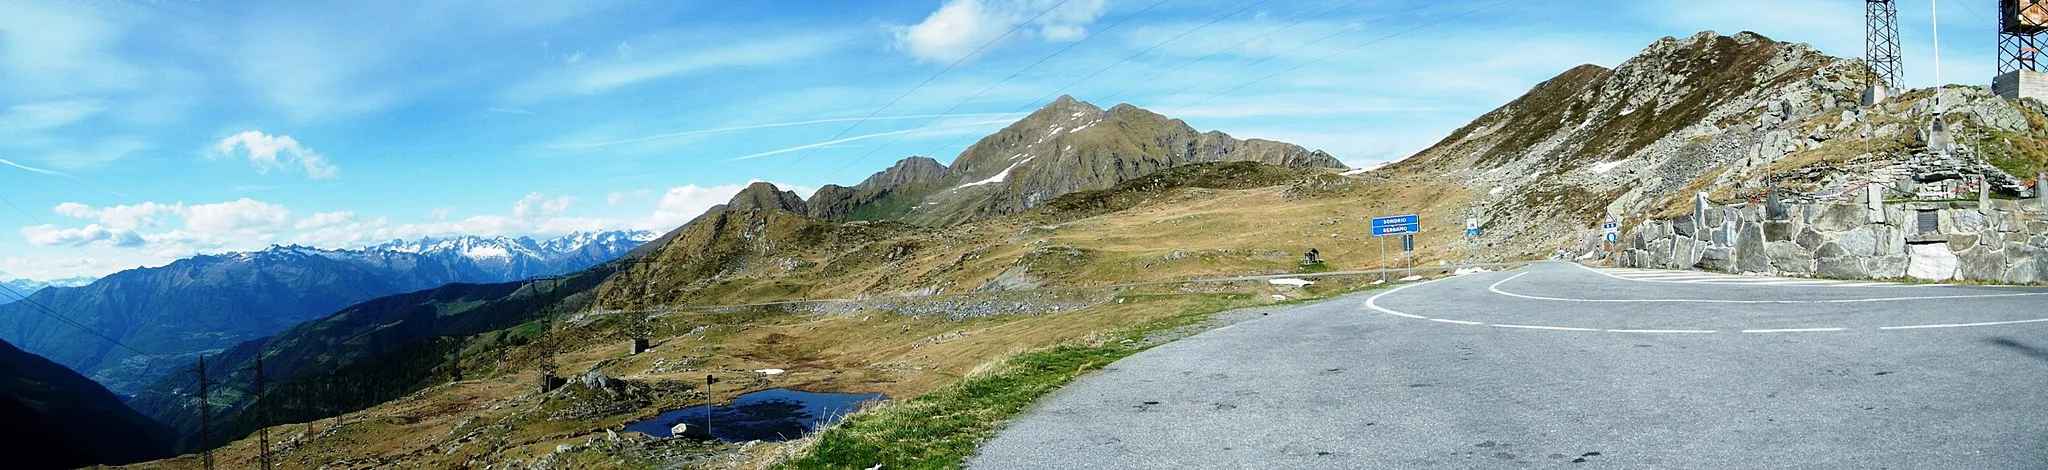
(1613, 237)
(1407, 243)
(1396, 225)
(1611, 227)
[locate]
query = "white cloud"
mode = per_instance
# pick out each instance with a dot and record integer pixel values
(239, 216)
(281, 151)
(94, 234)
(73, 209)
(546, 207)
(324, 219)
(960, 27)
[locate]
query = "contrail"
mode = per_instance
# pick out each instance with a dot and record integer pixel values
(861, 137)
(779, 124)
(58, 173)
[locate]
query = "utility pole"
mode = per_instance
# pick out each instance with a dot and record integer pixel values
(262, 417)
(205, 417)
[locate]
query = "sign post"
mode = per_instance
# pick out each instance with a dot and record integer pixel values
(1611, 233)
(1395, 225)
(1408, 253)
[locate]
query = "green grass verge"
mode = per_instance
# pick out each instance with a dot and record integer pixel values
(942, 428)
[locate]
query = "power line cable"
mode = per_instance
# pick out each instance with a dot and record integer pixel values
(1346, 50)
(1013, 75)
(39, 307)
(920, 85)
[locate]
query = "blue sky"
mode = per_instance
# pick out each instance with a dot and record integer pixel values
(136, 133)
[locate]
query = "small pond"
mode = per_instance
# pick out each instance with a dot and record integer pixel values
(772, 415)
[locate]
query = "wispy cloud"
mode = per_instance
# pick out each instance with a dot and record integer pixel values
(595, 76)
(865, 137)
(781, 124)
(45, 172)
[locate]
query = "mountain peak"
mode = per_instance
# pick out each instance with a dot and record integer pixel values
(764, 195)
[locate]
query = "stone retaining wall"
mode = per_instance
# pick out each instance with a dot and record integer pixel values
(1991, 240)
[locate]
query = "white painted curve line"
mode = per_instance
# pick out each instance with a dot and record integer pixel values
(1495, 288)
(1664, 331)
(1537, 327)
(1456, 322)
(1676, 277)
(1374, 301)
(1960, 325)
(1795, 330)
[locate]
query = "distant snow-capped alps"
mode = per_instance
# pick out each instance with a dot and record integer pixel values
(24, 287)
(209, 302)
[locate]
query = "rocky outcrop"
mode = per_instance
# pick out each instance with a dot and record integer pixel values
(765, 196)
(883, 196)
(1597, 142)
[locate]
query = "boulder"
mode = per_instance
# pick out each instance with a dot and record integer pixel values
(1779, 230)
(1789, 258)
(1811, 239)
(1838, 217)
(2022, 264)
(1962, 241)
(1717, 258)
(1847, 267)
(1931, 261)
(1981, 264)
(1891, 266)
(1749, 250)
(1861, 241)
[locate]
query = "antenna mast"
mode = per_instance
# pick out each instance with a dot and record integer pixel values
(2020, 26)
(1881, 49)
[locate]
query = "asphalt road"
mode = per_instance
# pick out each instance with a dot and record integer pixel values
(1562, 366)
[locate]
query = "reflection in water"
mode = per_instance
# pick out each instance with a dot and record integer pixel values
(771, 415)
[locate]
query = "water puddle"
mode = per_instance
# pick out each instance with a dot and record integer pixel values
(772, 415)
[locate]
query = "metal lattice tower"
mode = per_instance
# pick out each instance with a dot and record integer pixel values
(2020, 26)
(1881, 41)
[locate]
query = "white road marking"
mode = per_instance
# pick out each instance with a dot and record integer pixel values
(1496, 289)
(1697, 277)
(1373, 303)
(1535, 327)
(1960, 325)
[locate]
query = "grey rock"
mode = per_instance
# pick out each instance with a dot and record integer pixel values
(1842, 267)
(1861, 241)
(1749, 250)
(1886, 267)
(1790, 258)
(1981, 264)
(1839, 217)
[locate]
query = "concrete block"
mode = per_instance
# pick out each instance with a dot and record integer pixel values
(2021, 84)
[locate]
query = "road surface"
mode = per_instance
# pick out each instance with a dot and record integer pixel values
(1563, 366)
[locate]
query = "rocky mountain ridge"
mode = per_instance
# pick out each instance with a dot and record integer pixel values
(209, 302)
(1067, 146)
